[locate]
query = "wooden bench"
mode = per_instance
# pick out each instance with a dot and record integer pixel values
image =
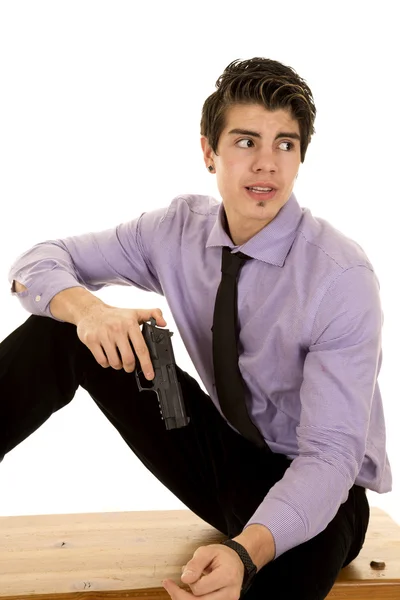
(127, 554)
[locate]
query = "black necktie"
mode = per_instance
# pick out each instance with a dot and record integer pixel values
(228, 379)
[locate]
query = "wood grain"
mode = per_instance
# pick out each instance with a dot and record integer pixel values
(127, 554)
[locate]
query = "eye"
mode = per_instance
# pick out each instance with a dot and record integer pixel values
(250, 140)
(245, 140)
(290, 144)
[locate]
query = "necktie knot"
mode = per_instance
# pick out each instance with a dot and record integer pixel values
(231, 263)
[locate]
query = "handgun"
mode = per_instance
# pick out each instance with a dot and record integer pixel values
(165, 382)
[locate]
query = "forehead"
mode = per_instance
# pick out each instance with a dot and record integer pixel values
(245, 115)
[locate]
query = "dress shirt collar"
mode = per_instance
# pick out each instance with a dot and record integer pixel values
(272, 243)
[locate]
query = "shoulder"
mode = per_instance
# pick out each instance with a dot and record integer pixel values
(338, 276)
(173, 218)
(190, 205)
(326, 250)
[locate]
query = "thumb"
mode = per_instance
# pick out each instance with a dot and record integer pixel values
(200, 564)
(189, 576)
(194, 569)
(157, 314)
(161, 319)
(145, 314)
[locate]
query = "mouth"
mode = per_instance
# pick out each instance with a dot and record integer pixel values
(260, 195)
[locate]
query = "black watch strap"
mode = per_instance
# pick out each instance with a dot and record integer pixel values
(250, 568)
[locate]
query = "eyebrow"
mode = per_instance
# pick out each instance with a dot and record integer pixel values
(281, 134)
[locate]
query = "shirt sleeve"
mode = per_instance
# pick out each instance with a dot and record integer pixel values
(339, 379)
(121, 255)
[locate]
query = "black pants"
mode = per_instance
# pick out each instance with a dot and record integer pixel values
(214, 471)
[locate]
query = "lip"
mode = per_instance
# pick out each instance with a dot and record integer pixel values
(263, 184)
(260, 196)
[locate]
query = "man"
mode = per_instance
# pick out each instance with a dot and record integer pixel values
(309, 346)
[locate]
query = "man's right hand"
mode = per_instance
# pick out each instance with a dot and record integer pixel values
(105, 328)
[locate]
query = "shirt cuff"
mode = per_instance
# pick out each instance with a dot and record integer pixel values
(36, 299)
(284, 523)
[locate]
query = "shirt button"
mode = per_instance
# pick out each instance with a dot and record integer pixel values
(38, 298)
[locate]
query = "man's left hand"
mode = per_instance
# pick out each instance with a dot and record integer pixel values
(215, 572)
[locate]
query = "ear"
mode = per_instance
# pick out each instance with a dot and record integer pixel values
(207, 150)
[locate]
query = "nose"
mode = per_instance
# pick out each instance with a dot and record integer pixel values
(265, 160)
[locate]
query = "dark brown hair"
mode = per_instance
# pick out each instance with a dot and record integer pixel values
(259, 81)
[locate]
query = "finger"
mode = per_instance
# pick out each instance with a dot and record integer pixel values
(126, 354)
(110, 350)
(176, 592)
(142, 351)
(98, 353)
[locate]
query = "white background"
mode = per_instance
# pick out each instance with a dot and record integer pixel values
(100, 110)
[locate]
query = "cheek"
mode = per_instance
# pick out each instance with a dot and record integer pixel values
(233, 167)
(229, 164)
(229, 171)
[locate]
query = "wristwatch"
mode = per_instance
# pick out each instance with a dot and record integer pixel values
(250, 568)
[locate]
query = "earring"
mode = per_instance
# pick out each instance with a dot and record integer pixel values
(211, 168)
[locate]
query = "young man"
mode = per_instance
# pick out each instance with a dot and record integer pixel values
(309, 345)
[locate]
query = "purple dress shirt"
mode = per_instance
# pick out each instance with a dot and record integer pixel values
(310, 322)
